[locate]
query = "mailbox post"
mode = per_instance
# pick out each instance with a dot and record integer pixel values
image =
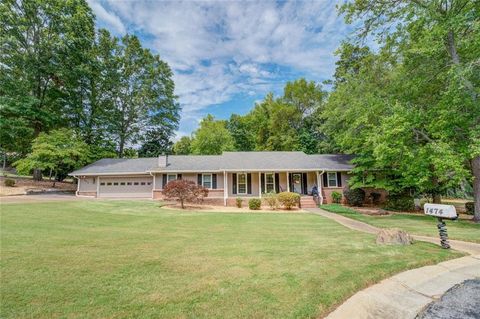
(441, 212)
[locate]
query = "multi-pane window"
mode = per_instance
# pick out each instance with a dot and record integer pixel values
(332, 179)
(171, 177)
(207, 180)
(242, 183)
(269, 182)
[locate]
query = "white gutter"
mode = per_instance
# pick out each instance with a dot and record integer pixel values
(109, 174)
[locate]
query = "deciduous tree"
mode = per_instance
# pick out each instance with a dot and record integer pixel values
(60, 151)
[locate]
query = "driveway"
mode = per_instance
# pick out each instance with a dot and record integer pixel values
(38, 198)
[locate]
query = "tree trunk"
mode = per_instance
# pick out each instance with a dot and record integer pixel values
(4, 162)
(181, 202)
(37, 174)
(437, 199)
(120, 148)
(475, 164)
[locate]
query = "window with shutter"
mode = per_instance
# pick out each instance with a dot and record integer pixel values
(242, 183)
(332, 179)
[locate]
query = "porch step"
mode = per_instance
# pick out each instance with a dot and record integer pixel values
(307, 202)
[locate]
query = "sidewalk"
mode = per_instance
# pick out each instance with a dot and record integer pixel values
(406, 294)
(467, 247)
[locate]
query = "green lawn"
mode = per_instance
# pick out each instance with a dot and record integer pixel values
(414, 224)
(132, 259)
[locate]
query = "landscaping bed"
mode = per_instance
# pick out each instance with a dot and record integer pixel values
(24, 186)
(417, 224)
(128, 259)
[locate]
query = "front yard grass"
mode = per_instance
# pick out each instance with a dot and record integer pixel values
(132, 259)
(414, 224)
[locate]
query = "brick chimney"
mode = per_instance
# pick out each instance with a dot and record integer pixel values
(163, 160)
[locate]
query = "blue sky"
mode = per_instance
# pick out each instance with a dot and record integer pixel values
(226, 55)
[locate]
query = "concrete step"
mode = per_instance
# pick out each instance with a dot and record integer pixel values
(307, 202)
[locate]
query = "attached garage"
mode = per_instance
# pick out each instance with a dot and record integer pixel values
(118, 187)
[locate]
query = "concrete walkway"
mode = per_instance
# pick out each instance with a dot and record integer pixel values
(406, 294)
(467, 247)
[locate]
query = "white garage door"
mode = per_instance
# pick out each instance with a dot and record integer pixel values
(126, 187)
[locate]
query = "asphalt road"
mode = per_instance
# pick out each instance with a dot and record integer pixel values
(460, 301)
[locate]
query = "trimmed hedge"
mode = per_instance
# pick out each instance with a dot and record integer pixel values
(271, 199)
(289, 199)
(254, 203)
(355, 197)
(401, 202)
(470, 208)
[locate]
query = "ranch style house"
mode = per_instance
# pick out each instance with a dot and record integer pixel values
(227, 176)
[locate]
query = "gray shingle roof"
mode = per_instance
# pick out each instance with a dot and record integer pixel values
(118, 165)
(229, 161)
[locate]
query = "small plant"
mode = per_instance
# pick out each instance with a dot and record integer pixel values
(288, 199)
(469, 208)
(239, 202)
(336, 197)
(271, 200)
(9, 182)
(355, 197)
(254, 203)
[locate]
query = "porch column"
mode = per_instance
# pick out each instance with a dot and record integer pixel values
(319, 186)
(78, 184)
(260, 184)
(225, 188)
(98, 186)
(288, 182)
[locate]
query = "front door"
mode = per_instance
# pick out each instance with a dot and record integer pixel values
(297, 183)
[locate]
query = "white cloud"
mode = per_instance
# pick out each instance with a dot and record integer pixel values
(220, 49)
(107, 17)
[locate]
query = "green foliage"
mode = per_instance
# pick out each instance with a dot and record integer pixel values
(9, 182)
(412, 109)
(212, 137)
(271, 199)
(242, 132)
(254, 203)
(57, 71)
(60, 151)
(375, 197)
(336, 197)
(156, 142)
(183, 146)
(355, 196)
(470, 208)
(239, 202)
(141, 96)
(400, 202)
(288, 199)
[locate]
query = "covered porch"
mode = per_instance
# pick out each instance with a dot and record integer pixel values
(250, 184)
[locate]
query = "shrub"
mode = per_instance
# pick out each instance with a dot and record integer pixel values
(288, 199)
(336, 197)
(185, 191)
(254, 203)
(239, 202)
(470, 208)
(271, 200)
(355, 197)
(400, 202)
(375, 197)
(9, 182)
